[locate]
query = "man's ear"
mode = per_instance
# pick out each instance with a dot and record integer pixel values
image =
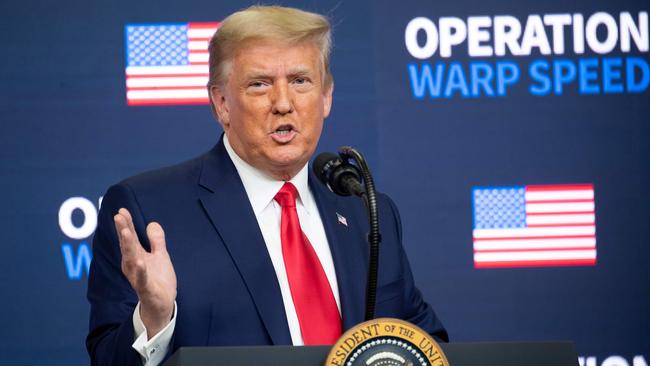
(327, 99)
(219, 105)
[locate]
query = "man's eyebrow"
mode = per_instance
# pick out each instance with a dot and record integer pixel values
(258, 74)
(299, 71)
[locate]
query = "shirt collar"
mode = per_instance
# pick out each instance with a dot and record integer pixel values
(262, 188)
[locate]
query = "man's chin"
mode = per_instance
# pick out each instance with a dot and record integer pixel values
(287, 166)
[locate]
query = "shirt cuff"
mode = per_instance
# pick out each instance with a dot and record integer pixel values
(152, 351)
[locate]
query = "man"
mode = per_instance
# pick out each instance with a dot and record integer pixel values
(242, 246)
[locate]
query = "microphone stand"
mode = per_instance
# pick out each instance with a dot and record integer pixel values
(374, 236)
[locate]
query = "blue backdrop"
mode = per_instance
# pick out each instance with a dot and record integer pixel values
(433, 126)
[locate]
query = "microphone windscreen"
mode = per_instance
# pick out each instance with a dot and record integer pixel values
(322, 165)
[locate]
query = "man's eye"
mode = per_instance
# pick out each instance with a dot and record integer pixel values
(300, 80)
(256, 84)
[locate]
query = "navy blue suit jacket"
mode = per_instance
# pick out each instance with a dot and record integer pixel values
(228, 293)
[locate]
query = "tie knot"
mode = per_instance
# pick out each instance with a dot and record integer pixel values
(286, 196)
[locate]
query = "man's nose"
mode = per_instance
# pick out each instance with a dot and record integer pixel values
(282, 100)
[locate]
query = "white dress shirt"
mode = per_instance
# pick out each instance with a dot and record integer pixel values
(261, 190)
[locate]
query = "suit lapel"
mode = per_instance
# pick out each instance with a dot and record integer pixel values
(348, 252)
(226, 203)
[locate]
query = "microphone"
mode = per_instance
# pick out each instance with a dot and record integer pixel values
(338, 175)
(344, 178)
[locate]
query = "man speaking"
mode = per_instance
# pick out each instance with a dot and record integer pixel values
(242, 245)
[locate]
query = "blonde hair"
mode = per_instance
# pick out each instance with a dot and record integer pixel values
(267, 23)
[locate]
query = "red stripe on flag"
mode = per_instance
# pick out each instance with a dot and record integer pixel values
(203, 25)
(538, 237)
(142, 102)
(560, 187)
(531, 249)
(560, 201)
(559, 213)
(132, 76)
(564, 224)
(540, 263)
(139, 88)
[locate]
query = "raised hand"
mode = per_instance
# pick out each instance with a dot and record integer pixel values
(151, 274)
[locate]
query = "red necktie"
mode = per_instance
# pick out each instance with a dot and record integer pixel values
(312, 295)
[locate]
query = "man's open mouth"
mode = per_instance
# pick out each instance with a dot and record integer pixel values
(284, 130)
(284, 134)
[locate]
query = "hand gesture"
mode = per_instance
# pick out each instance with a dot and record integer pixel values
(151, 274)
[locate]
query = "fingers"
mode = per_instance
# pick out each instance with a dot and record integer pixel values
(150, 274)
(128, 237)
(129, 243)
(127, 215)
(156, 236)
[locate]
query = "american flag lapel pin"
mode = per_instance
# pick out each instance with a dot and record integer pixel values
(341, 219)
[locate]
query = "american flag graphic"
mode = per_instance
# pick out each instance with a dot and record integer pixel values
(167, 63)
(342, 219)
(525, 226)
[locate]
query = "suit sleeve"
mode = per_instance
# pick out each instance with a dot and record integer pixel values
(112, 299)
(415, 309)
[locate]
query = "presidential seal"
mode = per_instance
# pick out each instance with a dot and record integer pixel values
(386, 342)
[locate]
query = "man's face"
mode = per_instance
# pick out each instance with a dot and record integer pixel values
(273, 105)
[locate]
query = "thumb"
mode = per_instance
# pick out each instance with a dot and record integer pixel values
(156, 236)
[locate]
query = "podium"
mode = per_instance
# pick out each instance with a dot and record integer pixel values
(458, 354)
